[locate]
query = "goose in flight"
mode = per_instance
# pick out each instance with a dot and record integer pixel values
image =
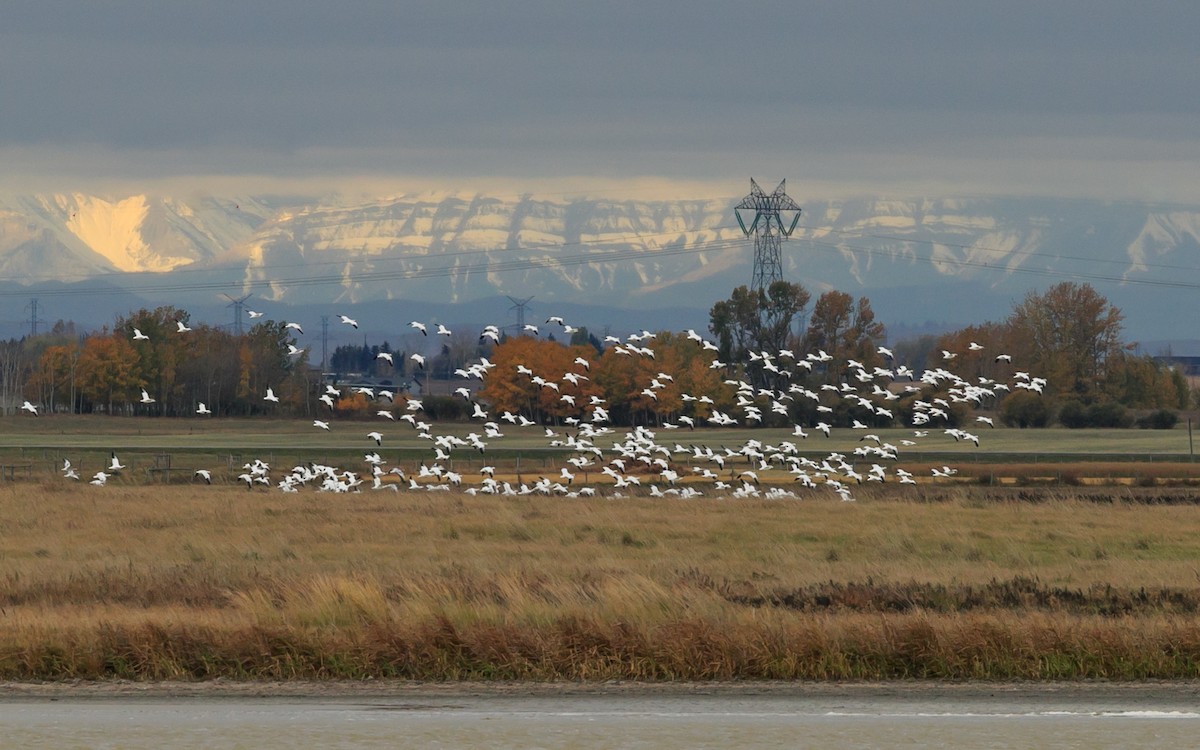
(295, 327)
(29, 408)
(115, 465)
(203, 409)
(420, 360)
(349, 321)
(139, 336)
(443, 330)
(420, 327)
(386, 357)
(181, 328)
(146, 397)
(271, 396)
(376, 436)
(253, 314)
(205, 475)
(68, 470)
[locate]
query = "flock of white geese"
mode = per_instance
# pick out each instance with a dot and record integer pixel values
(660, 462)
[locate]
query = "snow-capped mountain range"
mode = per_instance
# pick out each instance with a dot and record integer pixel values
(951, 261)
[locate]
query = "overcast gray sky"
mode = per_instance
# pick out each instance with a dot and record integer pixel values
(1075, 98)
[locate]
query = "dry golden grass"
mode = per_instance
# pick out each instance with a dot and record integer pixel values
(170, 582)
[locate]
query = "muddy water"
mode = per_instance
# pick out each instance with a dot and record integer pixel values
(602, 721)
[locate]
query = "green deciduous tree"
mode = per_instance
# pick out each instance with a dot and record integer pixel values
(758, 320)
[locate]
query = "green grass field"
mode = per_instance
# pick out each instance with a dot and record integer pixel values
(36, 447)
(61, 433)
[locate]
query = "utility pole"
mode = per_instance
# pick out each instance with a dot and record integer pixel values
(768, 229)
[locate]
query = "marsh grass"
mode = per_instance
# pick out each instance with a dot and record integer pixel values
(196, 583)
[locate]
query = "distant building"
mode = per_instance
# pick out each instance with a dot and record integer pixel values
(1186, 364)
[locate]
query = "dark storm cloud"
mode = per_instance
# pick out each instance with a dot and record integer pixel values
(536, 88)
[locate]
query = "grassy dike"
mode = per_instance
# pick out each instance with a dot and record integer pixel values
(170, 582)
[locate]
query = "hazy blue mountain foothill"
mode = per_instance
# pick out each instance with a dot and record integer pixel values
(925, 263)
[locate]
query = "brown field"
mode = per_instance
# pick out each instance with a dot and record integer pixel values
(954, 581)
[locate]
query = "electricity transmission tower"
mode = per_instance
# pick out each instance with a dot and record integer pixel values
(325, 344)
(238, 304)
(769, 230)
(519, 306)
(33, 316)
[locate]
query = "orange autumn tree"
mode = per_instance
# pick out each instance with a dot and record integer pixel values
(970, 361)
(623, 375)
(628, 379)
(508, 388)
(844, 330)
(107, 372)
(1068, 334)
(52, 379)
(694, 377)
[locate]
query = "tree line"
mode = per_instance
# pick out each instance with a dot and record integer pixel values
(106, 371)
(1070, 335)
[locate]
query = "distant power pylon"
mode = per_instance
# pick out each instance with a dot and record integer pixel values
(238, 304)
(325, 343)
(769, 230)
(33, 316)
(519, 306)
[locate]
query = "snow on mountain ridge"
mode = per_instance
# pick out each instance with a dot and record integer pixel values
(114, 231)
(1162, 233)
(684, 253)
